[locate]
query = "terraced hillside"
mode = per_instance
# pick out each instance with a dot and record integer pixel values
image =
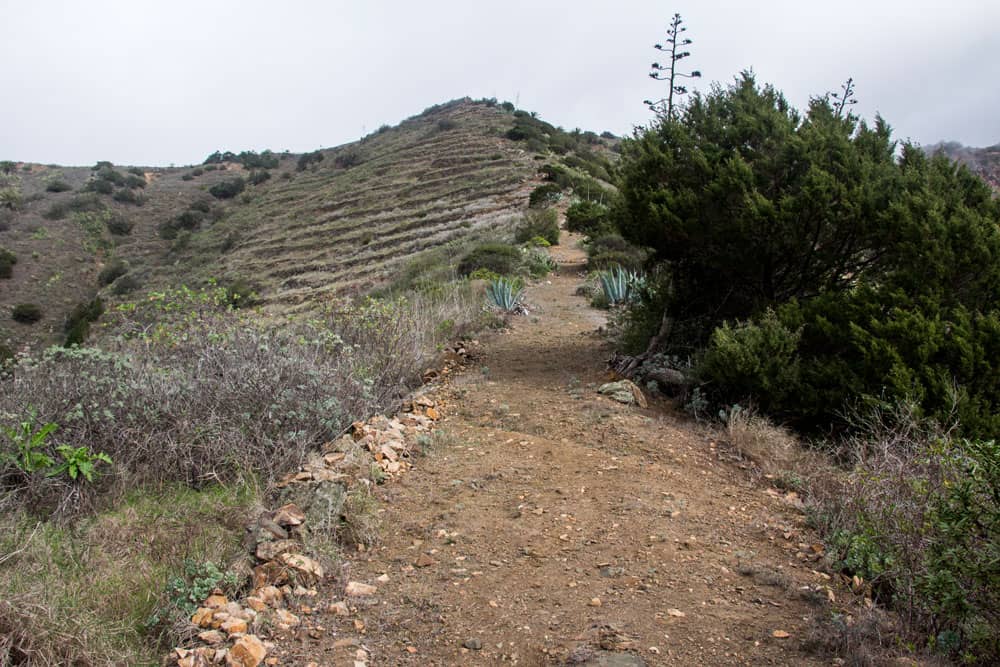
(297, 229)
(442, 176)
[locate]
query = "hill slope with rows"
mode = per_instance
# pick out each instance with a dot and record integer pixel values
(292, 229)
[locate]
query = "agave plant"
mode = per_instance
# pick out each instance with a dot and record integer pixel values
(620, 285)
(505, 295)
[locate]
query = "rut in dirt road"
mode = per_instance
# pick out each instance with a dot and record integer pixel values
(549, 525)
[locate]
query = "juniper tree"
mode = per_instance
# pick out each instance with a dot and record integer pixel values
(852, 267)
(674, 49)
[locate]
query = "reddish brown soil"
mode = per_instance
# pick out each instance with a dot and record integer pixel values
(552, 520)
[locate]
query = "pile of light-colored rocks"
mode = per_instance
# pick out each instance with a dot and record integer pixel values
(312, 499)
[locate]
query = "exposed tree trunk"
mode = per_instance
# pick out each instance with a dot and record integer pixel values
(627, 366)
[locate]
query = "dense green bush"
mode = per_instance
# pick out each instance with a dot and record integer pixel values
(446, 124)
(589, 218)
(129, 196)
(58, 185)
(133, 181)
(201, 205)
(584, 187)
(539, 224)
(187, 220)
(80, 204)
(11, 198)
(187, 177)
(307, 159)
(589, 163)
(249, 159)
(607, 251)
(755, 359)
(26, 313)
(258, 177)
(118, 224)
(227, 189)
(887, 261)
(500, 258)
(197, 172)
(7, 262)
(100, 185)
(109, 174)
(77, 326)
(545, 195)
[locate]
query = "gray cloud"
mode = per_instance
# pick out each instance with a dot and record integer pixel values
(169, 82)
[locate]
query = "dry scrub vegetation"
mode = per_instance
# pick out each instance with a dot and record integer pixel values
(913, 512)
(198, 407)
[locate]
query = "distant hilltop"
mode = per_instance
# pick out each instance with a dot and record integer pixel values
(983, 161)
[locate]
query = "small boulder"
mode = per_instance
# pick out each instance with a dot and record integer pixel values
(248, 651)
(271, 550)
(305, 568)
(358, 589)
(624, 391)
(289, 515)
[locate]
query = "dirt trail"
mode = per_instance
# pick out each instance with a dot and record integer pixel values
(549, 521)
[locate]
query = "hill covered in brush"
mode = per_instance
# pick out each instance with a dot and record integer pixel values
(289, 229)
(982, 161)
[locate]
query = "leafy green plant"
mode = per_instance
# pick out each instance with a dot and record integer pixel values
(186, 591)
(78, 461)
(29, 443)
(506, 295)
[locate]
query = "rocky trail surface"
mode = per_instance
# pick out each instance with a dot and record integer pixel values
(530, 520)
(550, 525)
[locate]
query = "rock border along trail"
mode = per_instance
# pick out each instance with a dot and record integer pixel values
(548, 525)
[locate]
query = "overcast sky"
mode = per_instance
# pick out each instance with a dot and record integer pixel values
(155, 83)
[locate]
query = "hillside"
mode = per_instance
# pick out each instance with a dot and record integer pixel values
(983, 161)
(335, 221)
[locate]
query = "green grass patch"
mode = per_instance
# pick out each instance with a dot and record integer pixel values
(88, 590)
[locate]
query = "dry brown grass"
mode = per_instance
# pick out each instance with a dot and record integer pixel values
(776, 454)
